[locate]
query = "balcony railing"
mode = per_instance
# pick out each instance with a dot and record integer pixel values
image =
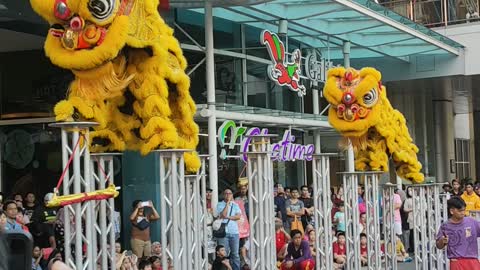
(435, 13)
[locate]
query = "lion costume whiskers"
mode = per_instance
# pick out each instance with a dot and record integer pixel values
(361, 112)
(129, 74)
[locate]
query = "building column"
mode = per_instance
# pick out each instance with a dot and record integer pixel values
(444, 132)
(212, 119)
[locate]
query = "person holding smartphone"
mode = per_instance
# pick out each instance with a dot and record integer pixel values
(459, 234)
(140, 233)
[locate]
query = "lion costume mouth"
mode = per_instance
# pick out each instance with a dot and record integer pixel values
(79, 34)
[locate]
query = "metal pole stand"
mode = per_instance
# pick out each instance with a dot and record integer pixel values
(372, 202)
(75, 142)
(261, 204)
(103, 173)
(323, 209)
(428, 210)
(173, 205)
(352, 219)
(389, 235)
(197, 242)
(351, 182)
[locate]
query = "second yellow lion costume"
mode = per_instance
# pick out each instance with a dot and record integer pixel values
(361, 112)
(129, 74)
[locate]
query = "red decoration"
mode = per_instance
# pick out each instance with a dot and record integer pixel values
(61, 10)
(348, 76)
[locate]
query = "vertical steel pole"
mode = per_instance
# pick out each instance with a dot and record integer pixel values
(350, 159)
(388, 226)
(419, 227)
(212, 119)
(352, 219)
(66, 151)
(261, 214)
(323, 209)
(166, 208)
(373, 220)
(78, 207)
(111, 204)
(191, 219)
(204, 217)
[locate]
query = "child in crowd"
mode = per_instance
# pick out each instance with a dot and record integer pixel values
(339, 218)
(339, 251)
(145, 265)
(363, 249)
(402, 255)
(156, 262)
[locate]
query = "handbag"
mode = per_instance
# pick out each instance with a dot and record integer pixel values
(143, 224)
(221, 232)
(297, 225)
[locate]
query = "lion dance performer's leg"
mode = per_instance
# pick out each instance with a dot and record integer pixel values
(163, 102)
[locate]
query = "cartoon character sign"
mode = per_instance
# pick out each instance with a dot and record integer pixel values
(282, 72)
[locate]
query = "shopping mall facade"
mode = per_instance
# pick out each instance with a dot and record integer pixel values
(430, 74)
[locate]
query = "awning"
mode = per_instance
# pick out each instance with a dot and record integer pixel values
(374, 31)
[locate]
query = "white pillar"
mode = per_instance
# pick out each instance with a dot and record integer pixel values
(443, 128)
(350, 160)
(212, 119)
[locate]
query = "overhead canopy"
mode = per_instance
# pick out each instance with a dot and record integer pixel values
(373, 31)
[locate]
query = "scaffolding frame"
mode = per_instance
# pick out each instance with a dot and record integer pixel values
(261, 203)
(173, 204)
(323, 209)
(429, 211)
(372, 202)
(103, 173)
(390, 242)
(197, 242)
(351, 181)
(75, 143)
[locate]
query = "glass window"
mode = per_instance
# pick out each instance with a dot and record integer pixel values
(462, 157)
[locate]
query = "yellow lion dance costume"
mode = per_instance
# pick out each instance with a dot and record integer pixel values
(129, 74)
(361, 112)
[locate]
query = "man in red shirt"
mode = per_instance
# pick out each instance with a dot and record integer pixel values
(339, 250)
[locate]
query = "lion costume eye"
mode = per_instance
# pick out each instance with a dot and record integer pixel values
(101, 9)
(370, 98)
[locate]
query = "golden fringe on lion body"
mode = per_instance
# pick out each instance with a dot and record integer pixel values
(138, 54)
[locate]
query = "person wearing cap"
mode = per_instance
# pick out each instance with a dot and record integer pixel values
(157, 249)
(243, 193)
(43, 220)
